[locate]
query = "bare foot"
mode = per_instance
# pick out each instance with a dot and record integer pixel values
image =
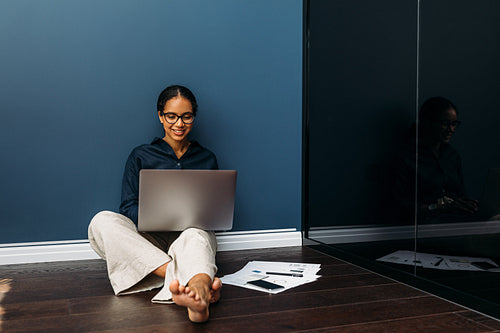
(215, 291)
(195, 296)
(4, 289)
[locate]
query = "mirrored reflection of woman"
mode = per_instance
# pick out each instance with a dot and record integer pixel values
(441, 195)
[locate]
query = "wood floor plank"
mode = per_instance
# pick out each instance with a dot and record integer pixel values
(343, 281)
(28, 310)
(111, 303)
(308, 300)
(484, 320)
(48, 269)
(61, 280)
(445, 323)
(288, 254)
(60, 287)
(167, 314)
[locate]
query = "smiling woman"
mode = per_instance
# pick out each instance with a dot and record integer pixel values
(441, 190)
(177, 108)
(184, 263)
(438, 121)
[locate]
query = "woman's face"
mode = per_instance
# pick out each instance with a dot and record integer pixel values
(177, 132)
(444, 127)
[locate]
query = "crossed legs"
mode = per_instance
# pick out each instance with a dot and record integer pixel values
(188, 269)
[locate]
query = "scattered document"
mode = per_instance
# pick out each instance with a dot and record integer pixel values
(283, 275)
(437, 261)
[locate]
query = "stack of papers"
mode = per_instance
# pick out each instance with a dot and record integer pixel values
(284, 274)
(443, 262)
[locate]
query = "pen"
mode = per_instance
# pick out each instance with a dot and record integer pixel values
(285, 274)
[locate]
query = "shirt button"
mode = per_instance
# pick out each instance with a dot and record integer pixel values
(178, 164)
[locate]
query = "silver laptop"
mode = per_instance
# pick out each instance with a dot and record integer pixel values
(174, 200)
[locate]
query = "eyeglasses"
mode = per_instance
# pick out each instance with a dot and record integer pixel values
(171, 118)
(451, 124)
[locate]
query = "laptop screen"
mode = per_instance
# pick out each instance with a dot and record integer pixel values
(174, 200)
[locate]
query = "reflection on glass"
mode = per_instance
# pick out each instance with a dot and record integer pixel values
(441, 193)
(457, 194)
(367, 186)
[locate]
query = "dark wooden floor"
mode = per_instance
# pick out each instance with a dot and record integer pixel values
(77, 297)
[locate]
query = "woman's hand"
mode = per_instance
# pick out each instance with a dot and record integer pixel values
(459, 205)
(467, 204)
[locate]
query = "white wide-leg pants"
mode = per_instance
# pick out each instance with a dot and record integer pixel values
(132, 256)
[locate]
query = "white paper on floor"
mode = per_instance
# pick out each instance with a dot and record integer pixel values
(443, 262)
(285, 274)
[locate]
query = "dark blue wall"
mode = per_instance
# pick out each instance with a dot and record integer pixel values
(79, 82)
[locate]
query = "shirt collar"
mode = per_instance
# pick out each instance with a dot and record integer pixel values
(165, 146)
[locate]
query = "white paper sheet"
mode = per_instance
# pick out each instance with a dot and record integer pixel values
(261, 270)
(437, 261)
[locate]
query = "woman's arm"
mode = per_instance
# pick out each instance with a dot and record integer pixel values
(130, 189)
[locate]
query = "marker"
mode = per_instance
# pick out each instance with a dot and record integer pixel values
(285, 274)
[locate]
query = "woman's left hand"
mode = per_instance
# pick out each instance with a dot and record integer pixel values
(464, 204)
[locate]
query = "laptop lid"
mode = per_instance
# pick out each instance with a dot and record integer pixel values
(174, 200)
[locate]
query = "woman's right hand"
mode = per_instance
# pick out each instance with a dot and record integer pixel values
(459, 205)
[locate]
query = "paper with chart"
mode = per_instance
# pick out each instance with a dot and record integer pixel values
(285, 274)
(443, 262)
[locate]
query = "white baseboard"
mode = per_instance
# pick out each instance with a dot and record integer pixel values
(230, 241)
(340, 235)
(23, 253)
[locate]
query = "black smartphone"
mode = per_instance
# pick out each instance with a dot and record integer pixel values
(483, 265)
(265, 284)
